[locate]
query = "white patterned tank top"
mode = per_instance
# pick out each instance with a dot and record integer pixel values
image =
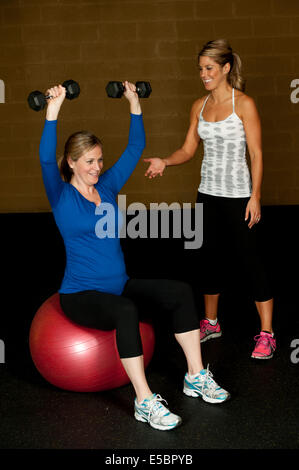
(224, 169)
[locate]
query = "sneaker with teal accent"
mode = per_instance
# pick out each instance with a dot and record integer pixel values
(152, 411)
(203, 385)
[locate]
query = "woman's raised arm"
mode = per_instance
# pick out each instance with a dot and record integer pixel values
(47, 148)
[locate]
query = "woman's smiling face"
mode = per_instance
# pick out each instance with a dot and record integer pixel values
(211, 73)
(88, 167)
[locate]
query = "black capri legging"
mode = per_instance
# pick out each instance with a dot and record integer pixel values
(228, 244)
(104, 311)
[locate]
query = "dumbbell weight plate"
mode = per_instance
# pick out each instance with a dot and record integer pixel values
(143, 89)
(36, 100)
(115, 89)
(72, 89)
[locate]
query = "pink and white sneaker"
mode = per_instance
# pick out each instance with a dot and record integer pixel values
(265, 346)
(208, 331)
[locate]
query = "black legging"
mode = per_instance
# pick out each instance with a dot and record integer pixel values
(229, 242)
(104, 311)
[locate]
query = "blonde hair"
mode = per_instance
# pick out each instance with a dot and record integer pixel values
(221, 52)
(76, 145)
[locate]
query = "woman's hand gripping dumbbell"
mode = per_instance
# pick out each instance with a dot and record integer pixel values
(37, 100)
(116, 89)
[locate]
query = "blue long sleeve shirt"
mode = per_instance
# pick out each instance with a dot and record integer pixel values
(92, 262)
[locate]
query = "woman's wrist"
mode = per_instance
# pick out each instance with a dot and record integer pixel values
(255, 195)
(52, 115)
(135, 107)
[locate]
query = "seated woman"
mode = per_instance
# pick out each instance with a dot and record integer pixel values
(96, 291)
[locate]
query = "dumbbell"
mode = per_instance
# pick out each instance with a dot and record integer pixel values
(116, 89)
(37, 100)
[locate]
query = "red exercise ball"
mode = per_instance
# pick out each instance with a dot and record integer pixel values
(76, 358)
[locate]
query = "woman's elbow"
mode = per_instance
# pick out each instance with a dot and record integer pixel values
(140, 146)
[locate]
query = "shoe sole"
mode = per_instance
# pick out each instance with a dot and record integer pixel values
(211, 336)
(194, 394)
(262, 357)
(156, 426)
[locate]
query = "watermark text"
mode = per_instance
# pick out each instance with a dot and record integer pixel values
(2, 352)
(164, 221)
(295, 93)
(295, 352)
(2, 91)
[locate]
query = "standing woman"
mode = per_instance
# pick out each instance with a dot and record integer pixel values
(226, 120)
(96, 291)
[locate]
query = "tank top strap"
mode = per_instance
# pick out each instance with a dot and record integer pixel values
(233, 100)
(204, 104)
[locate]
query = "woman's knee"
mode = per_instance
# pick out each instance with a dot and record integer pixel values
(185, 316)
(128, 314)
(182, 290)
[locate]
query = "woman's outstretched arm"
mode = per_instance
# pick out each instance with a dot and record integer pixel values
(183, 154)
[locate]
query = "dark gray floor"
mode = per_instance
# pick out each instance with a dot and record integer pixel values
(263, 412)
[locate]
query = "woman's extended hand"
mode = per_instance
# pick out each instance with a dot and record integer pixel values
(254, 209)
(57, 94)
(157, 166)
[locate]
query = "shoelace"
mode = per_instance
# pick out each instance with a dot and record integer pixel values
(203, 325)
(210, 384)
(263, 339)
(155, 406)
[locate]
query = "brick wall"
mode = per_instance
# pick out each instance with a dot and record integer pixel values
(44, 42)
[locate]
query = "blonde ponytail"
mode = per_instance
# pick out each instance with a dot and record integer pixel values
(234, 77)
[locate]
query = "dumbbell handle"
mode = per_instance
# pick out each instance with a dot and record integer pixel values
(138, 89)
(47, 97)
